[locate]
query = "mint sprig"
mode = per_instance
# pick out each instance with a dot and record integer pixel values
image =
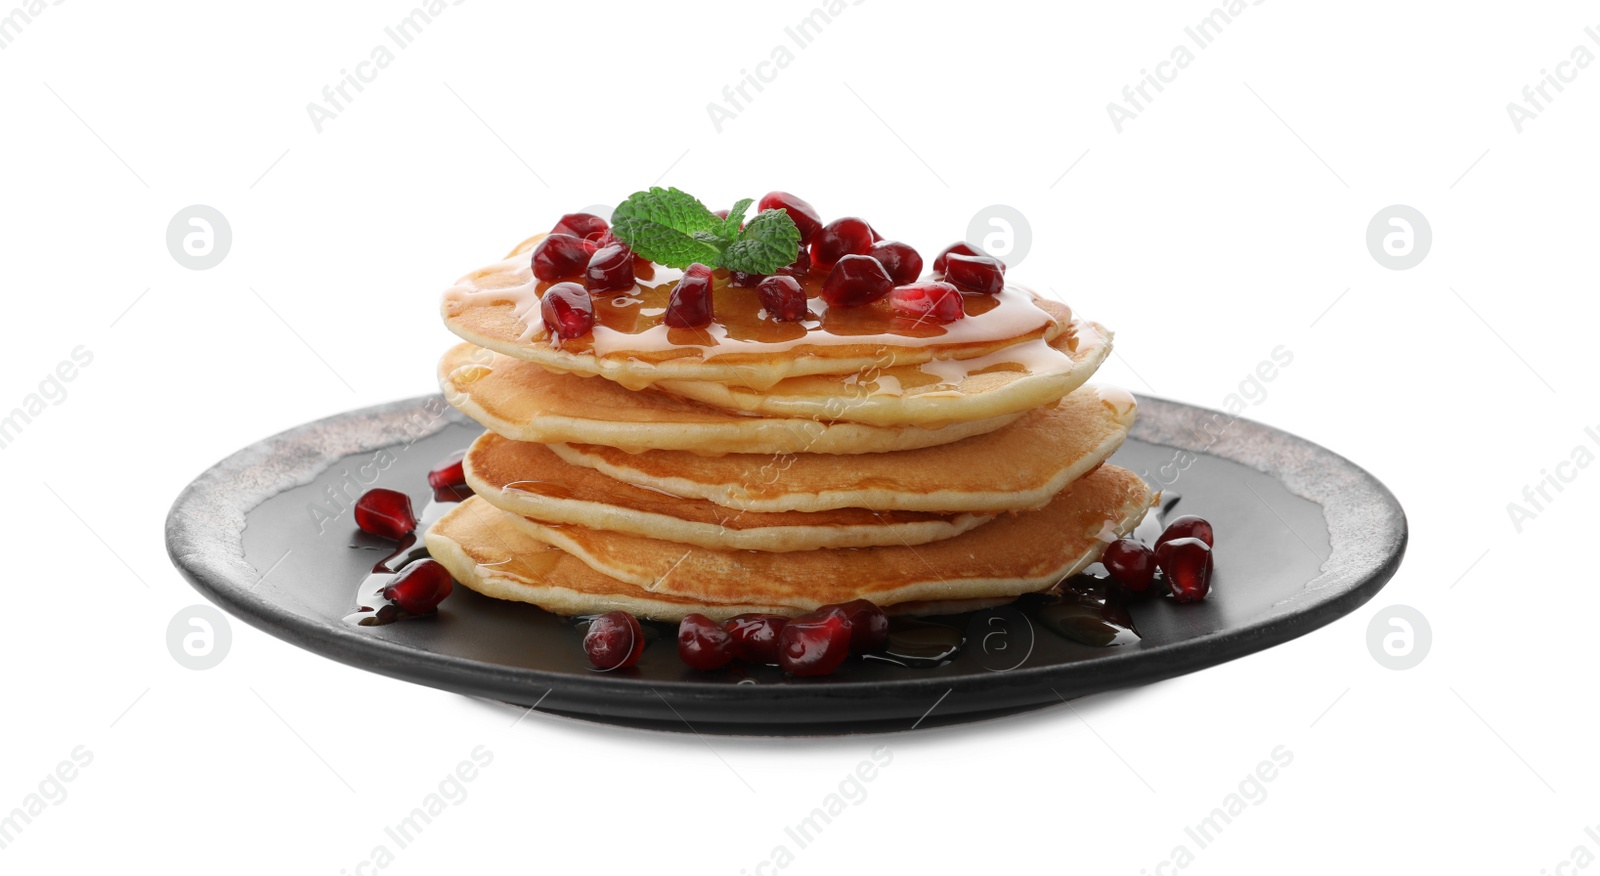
(673, 228)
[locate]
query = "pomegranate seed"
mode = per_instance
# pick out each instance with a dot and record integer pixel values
(744, 280)
(1187, 526)
(814, 644)
(1187, 565)
(721, 214)
(449, 472)
(580, 225)
(804, 215)
(869, 626)
(899, 259)
(610, 269)
(703, 644)
(420, 587)
(959, 248)
(783, 298)
(561, 255)
(567, 311)
(839, 238)
(975, 273)
(755, 636)
(385, 513)
(614, 640)
(801, 266)
(856, 280)
(1131, 564)
(933, 300)
(689, 306)
(602, 239)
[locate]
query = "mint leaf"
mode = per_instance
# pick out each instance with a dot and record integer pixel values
(730, 225)
(669, 227)
(668, 246)
(673, 228)
(670, 207)
(768, 242)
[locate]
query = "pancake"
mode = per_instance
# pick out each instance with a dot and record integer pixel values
(525, 402)
(1013, 555)
(485, 551)
(1017, 467)
(934, 393)
(497, 307)
(531, 481)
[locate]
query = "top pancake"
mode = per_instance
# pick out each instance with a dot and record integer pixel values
(498, 307)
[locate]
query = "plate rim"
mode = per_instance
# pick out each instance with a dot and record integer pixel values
(1367, 526)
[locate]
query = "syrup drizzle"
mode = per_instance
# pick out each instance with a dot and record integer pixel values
(372, 609)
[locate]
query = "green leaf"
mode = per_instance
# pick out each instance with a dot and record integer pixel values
(669, 227)
(665, 245)
(768, 242)
(670, 207)
(730, 225)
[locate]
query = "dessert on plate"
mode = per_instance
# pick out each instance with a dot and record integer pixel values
(700, 415)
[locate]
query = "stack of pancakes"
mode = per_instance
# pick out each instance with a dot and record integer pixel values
(759, 466)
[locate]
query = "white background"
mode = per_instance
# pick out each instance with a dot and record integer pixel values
(1226, 219)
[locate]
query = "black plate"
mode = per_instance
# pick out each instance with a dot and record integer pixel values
(1304, 537)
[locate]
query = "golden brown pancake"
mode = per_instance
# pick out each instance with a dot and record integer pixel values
(486, 552)
(529, 480)
(1016, 467)
(526, 402)
(1014, 554)
(498, 307)
(934, 393)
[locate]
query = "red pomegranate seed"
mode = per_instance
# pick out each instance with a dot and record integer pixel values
(450, 472)
(602, 239)
(1187, 526)
(703, 644)
(958, 248)
(559, 256)
(975, 273)
(933, 300)
(804, 215)
(420, 587)
(801, 266)
(856, 280)
(1131, 564)
(869, 626)
(783, 298)
(814, 644)
(614, 640)
(721, 214)
(610, 269)
(899, 259)
(744, 280)
(755, 636)
(567, 311)
(840, 238)
(1187, 565)
(385, 513)
(689, 305)
(580, 225)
